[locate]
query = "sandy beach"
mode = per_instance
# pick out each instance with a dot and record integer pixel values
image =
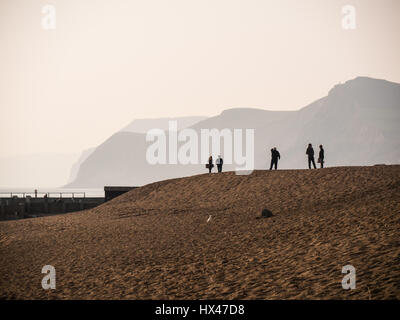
(202, 237)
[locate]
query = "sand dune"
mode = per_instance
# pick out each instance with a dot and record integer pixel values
(155, 242)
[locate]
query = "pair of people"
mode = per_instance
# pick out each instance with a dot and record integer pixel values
(310, 154)
(219, 162)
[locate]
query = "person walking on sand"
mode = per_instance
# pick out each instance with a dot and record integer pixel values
(210, 165)
(321, 156)
(275, 156)
(310, 154)
(219, 163)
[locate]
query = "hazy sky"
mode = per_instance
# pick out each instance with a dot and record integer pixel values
(109, 62)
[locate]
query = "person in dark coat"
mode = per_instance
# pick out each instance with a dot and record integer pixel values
(275, 156)
(219, 163)
(310, 154)
(210, 164)
(321, 156)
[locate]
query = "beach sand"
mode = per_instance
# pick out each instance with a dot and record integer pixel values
(202, 237)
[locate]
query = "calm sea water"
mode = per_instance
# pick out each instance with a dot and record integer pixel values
(54, 192)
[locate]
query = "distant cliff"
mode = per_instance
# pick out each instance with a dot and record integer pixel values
(357, 122)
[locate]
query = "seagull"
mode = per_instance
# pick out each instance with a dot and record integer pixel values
(209, 218)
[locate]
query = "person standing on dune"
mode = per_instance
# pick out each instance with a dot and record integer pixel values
(275, 156)
(321, 156)
(219, 162)
(310, 153)
(210, 165)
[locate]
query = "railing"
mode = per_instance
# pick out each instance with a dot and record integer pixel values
(43, 194)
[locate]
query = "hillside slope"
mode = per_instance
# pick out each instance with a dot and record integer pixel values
(159, 241)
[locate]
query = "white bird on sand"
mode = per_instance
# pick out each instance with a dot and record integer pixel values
(209, 218)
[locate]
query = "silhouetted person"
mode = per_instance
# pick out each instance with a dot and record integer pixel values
(321, 156)
(219, 163)
(275, 156)
(272, 159)
(210, 164)
(310, 153)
